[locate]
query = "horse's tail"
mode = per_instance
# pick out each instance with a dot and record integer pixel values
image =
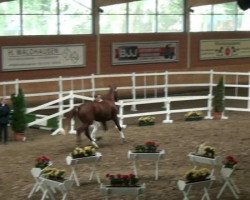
(72, 113)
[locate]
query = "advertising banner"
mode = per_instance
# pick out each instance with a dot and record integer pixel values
(224, 48)
(43, 57)
(144, 52)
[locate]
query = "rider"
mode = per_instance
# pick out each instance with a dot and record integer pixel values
(98, 98)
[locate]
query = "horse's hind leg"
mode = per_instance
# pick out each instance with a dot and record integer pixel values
(86, 129)
(115, 119)
(95, 126)
(78, 135)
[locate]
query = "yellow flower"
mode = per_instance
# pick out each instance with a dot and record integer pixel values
(88, 148)
(146, 119)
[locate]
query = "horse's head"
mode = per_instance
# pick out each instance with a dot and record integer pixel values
(113, 94)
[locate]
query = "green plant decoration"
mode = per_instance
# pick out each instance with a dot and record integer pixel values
(18, 121)
(218, 100)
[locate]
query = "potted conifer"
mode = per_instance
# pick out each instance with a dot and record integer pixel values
(18, 120)
(218, 99)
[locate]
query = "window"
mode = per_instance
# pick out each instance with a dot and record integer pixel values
(46, 17)
(219, 17)
(60, 17)
(147, 16)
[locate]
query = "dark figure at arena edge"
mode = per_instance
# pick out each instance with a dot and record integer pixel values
(4, 120)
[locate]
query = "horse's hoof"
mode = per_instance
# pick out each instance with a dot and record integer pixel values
(94, 144)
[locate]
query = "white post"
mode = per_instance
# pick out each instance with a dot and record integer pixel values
(93, 85)
(223, 113)
(4, 89)
(210, 96)
(167, 103)
(121, 112)
(60, 129)
(145, 84)
(166, 88)
(248, 104)
(209, 106)
(82, 88)
(72, 84)
(16, 87)
(237, 83)
(155, 83)
(72, 122)
(133, 107)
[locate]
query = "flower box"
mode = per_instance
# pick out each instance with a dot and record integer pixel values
(147, 147)
(146, 121)
(203, 159)
(228, 182)
(42, 162)
(193, 116)
(87, 151)
(108, 190)
(198, 160)
(229, 162)
(196, 175)
(140, 123)
(146, 155)
(87, 159)
(205, 151)
(184, 185)
(53, 174)
(227, 172)
(149, 156)
(74, 164)
(50, 187)
(121, 180)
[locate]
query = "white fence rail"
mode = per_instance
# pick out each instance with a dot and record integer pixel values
(122, 103)
(161, 81)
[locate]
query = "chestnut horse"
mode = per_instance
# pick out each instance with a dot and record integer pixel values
(102, 112)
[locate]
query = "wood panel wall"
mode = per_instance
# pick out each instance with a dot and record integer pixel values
(240, 64)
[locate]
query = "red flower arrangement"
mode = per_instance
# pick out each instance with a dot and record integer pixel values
(120, 180)
(229, 162)
(148, 147)
(42, 162)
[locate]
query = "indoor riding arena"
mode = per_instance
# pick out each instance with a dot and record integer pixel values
(124, 99)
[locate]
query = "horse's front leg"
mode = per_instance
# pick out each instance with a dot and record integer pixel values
(115, 119)
(95, 126)
(89, 137)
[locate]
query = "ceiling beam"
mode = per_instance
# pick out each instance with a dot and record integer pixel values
(1, 1)
(193, 3)
(112, 2)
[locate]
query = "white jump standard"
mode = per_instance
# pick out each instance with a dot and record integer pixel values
(200, 160)
(74, 164)
(148, 156)
(108, 191)
(200, 185)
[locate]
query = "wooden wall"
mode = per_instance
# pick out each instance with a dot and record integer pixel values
(240, 64)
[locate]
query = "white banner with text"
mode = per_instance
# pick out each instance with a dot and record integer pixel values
(224, 48)
(43, 56)
(144, 52)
